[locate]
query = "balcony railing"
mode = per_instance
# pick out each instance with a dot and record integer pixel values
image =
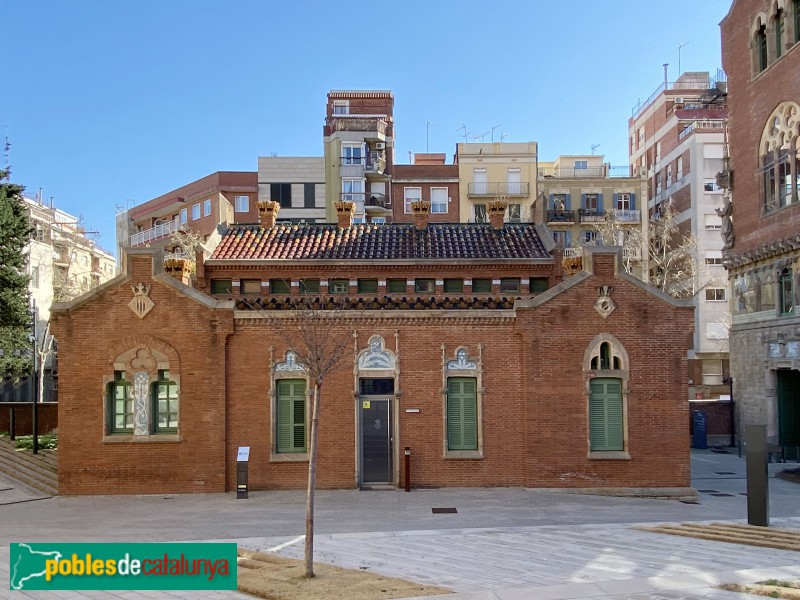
(498, 188)
(694, 125)
(573, 252)
(627, 215)
(338, 123)
(600, 171)
(627, 253)
(376, 163)
(591, 215)
(560, 216)
(159, 231)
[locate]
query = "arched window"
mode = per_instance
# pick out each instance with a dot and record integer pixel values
(796, 13)
(780, 26)
(607, 370)
(761, 48)
(786, 292)
(780, 163)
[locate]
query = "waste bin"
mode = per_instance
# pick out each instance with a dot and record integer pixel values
(700, 429)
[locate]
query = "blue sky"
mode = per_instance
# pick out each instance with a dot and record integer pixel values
(108, 103)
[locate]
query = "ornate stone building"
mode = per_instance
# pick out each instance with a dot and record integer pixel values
(761, 55)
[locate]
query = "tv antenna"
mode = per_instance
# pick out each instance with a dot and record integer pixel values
(465, 134)
(7, 155)
(493, 128)
(503, 136)
(595, 147)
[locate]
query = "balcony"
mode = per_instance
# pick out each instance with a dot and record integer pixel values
(705, 125)
(498, 188)
(376, 163)
(161, 230)
(573, 252)
(598, 172)
(624, 215)
(377, 206)
(632, 253)
(590, 215)
(373, 128)
(560, 216)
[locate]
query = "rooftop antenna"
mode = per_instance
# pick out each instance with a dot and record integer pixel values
(482, 136)
(427, 136)
(493, 128)
(679, 56)
(7, 156)
(503, 136)
(465, 134)
(595, 147)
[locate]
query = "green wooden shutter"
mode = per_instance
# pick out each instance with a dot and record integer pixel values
(291, 417)
(462, 413)
(605, 415)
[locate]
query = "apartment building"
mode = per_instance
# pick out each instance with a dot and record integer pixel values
(578, 193)
(430, 179)
(220, 198)
(761, 55)
(358, 140)
(297, 184)
(677, 140)
(496, 171)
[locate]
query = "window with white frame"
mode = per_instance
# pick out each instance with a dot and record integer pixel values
(679, 168)
(589, 237)
(712, 222)
(623, 201)
(341, 107)
(352, 153)
(411, 194)
(581, 165)
(353, 191)
(439, 199)
(207, 207)
(184, 215)
(241, 203)
(669, 175)
(658, 151)
(195, 211)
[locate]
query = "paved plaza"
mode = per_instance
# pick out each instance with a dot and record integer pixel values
(505, 544)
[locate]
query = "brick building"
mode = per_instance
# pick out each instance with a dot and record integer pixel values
(761, 54)
(462, 342)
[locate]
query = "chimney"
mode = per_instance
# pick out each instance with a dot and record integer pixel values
(421, 210)
(268, 213)
(344, 211)
(179, 268)
(497, 210)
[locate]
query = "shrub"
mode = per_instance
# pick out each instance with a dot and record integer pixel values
(47, 441)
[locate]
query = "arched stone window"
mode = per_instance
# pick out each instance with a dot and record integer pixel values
(779, 25)
(606, 368)
(289, 409)
(143, 395)
(780, 164)
(463, 399)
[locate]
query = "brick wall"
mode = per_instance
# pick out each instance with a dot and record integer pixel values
(533, 377)
(23, 418)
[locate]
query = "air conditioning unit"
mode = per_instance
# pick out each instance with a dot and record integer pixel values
(380, 146)
(642, 171)
(678, 100)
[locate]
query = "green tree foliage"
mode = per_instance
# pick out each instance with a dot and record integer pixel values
(15, 232)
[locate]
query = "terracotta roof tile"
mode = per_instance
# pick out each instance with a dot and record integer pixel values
(439, 241)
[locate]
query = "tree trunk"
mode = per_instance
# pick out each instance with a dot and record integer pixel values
(312, 480)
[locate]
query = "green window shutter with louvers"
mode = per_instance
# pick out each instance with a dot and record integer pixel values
(291, 417)
(605, 415)
(462, 413)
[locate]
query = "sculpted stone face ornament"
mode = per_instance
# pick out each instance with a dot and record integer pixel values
(141, 303)
(604, 304)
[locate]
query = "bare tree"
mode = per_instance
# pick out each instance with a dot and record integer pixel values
(318, 334)
(674, 261)
(672, 254)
